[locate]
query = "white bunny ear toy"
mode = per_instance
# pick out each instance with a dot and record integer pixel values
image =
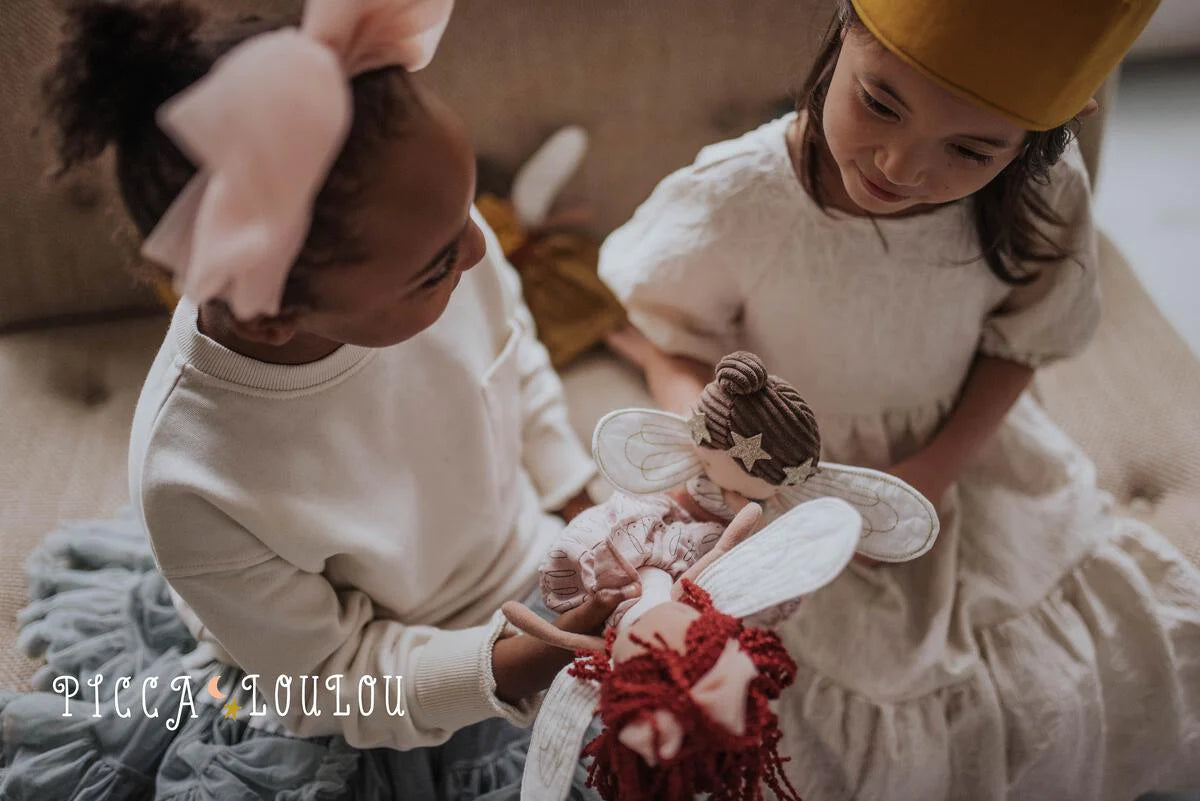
(644, 451)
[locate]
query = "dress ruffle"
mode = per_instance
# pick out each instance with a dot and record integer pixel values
(993, 669)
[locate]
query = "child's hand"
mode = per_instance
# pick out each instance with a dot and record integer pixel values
(524, 665)
(926, 475)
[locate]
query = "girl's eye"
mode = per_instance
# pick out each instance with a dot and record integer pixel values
(875, 107)
(446, 269)
(967, 153)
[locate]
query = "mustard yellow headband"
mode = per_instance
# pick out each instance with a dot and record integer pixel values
(1036, 62)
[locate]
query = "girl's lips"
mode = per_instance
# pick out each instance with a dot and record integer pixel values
(878, 191)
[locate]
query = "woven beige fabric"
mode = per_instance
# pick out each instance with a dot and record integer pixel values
(56, 251)
(67, 397)
(1133, 400)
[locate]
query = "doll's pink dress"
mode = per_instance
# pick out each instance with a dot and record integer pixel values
(648, 530)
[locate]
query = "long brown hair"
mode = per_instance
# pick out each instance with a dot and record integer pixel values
(1007, 210)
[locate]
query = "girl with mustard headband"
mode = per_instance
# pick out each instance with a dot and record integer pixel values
(907, 248)
(350, 355)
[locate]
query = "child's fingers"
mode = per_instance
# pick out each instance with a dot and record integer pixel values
(591, 614)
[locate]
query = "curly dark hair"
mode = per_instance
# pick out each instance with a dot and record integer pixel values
(120, 60)
(1007, 209)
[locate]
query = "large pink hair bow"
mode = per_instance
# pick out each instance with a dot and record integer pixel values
(264, 127)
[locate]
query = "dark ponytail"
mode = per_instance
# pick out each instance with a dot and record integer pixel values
(117, 63)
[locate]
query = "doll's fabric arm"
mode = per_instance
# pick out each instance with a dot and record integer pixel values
(552, 454)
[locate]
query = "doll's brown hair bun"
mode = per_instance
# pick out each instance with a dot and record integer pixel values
(744, 399)
(741, 373)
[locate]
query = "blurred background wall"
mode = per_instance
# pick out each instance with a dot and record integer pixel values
(1148, 193)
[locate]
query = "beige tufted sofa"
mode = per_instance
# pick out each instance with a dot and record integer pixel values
(652, 81)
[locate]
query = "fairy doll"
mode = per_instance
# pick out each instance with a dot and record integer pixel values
(685, 674)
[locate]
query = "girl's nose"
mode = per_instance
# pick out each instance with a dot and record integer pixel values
(900, 166)
(474, 247)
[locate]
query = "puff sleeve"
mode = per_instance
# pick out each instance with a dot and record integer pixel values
(680, 263)
(1056, 315)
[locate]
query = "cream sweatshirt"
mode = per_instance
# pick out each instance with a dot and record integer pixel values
(365, 514)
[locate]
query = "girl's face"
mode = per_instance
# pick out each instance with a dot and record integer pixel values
(415, 225)
(901, 142)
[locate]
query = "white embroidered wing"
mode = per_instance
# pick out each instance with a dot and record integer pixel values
(799, 552)
(644, 451)
(557, 738)
(899, 523)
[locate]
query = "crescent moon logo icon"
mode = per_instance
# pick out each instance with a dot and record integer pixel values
(213, 690)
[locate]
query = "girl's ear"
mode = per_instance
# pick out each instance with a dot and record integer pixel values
(277, 330)
(1089, 108)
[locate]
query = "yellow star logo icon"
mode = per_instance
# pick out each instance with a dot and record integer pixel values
(231, 709)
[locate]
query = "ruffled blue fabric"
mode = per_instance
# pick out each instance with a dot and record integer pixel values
(99, 605)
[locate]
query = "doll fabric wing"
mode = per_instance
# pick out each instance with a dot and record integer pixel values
(899, 523)
(799, 552)
(644, 451)
(557, 738)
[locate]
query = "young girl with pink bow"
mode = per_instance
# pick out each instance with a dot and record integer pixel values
(351, 353)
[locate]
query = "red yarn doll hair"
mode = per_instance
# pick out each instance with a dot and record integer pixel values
(712, 759)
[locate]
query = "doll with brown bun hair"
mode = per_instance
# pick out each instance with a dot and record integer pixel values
(684, 677)
(742, 408)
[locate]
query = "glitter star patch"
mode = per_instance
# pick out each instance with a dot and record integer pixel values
(698, 423)
(800, 474)
(748, 449)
